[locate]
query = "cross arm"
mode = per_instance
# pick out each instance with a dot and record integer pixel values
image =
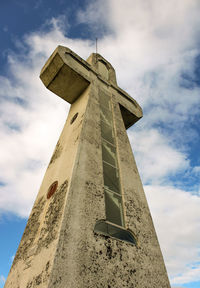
(130, 109)
(65, 74)
(68, 75)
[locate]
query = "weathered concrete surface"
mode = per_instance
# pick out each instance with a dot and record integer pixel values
(37, 247)
(59, 247)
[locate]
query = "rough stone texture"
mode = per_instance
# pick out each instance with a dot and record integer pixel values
(49, 230)
(57, 153)
(41, 231)
(39, 242)
(30, 232)
(59, 248)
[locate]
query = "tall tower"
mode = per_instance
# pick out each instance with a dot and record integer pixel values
(90, 226)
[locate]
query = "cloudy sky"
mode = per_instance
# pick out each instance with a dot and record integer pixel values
(154, 47)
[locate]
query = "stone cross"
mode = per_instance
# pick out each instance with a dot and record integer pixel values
(90, 225)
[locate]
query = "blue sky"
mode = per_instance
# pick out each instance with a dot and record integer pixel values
(154, 47)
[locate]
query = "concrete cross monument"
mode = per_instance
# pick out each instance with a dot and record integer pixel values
(90, 226)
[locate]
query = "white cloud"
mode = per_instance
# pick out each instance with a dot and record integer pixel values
(176, 217)
(188, 276)
(25, 129)
(156, 42)
(196, 169)
(31, 117)
(2, 279)
(150, 44)
(156, 156)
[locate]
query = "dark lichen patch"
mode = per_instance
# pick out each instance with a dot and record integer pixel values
(57, 281)
(40, 278)
(48, 233)
(27, 264)
(109, 251)
(47, 266)
(30, 231)
(56, 154)
(114, 255)
(132, 271)
(53, 215)
(29, 285)
(91, 187)
(94, 193)
(133, 211)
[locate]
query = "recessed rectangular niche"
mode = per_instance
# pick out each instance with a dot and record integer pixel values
(104, 99)
(107, 132)
(109, 153)
(114, 212)
(106, 116)
(111, 177)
